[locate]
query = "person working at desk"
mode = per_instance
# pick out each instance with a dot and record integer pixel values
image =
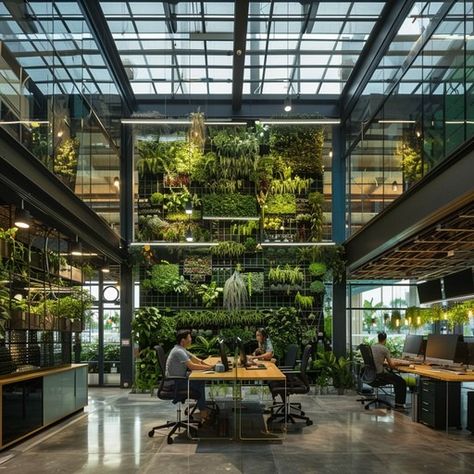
(381, 355)
(264, 350)
(178, 364)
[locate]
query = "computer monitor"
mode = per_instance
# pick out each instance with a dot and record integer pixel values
(413, 346)
(223, 352)
(242, 353)
(441, 348)
(459, 284)
(430, 291)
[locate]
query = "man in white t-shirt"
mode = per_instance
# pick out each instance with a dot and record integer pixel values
(381, 355)
(178, 364)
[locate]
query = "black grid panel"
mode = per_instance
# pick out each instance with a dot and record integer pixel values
(28, 350)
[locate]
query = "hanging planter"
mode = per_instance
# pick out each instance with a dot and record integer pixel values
(235, 292)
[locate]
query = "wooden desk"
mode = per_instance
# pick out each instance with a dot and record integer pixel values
(433, 413)
(426, 371)
(240, 374)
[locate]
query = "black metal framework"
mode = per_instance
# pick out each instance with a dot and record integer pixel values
(241, 14)
(106, 45)
(391, 18)
(34, 183)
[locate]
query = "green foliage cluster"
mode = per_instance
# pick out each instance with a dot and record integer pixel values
(286, 275)
(317, 269)
(301, 147)
(150, 327)
(393, 344)
(72, 306)
(162, 278)
(284, 327)
(65, 160)
(177, 157)
(317, 286)
(203, 347)
(337, 369)
(146, 371)
(255, 282)
(228, 249)
(304, 302)
(245, 229)
(219, 318)
(413, 167)
(281, 204)
(209, 293)
(316, 203)
(229, 205)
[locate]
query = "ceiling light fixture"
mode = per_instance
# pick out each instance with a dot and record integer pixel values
(155, 121)
(22, 217)
(300, 121)
(395, 186)
(117, 182)
(287, 105)
(388, 121)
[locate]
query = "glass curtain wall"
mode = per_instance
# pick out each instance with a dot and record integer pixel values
(416, 109)
(57, 98)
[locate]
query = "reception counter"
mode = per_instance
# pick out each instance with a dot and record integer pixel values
(31, 401)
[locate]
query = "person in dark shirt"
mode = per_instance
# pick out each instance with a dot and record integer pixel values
(381, 356)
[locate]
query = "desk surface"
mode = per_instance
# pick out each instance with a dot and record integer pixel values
(272, 372)
(16, 377)
(433, 373)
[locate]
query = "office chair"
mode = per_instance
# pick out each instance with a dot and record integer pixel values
(169, 390)
(296, 383)
(368, 376)
(289, 362)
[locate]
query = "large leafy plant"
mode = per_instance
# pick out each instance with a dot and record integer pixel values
(229, 205)
(162, 278)
(284, 327)
(300, 146)
(150, 327)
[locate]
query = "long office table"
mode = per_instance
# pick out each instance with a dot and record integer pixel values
(441, 375)
(238, 375)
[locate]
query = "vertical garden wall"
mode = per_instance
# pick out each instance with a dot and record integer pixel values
(232, 232)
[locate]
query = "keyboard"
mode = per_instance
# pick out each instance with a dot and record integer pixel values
(256, 367)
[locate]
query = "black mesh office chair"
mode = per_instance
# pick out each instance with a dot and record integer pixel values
(169, 390)
(291, 354)
(368, 375)
(296, 383)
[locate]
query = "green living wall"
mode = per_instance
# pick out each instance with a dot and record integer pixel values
(253, 198)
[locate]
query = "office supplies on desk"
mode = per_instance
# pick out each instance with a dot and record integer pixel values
(256, 367)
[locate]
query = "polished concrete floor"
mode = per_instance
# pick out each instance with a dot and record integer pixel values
(111, 436)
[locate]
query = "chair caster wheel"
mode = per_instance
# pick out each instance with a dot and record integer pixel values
(309, 422)
(151, 433)
(366, 407)
(170, 440)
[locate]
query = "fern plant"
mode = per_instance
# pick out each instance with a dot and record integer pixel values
(304, 302)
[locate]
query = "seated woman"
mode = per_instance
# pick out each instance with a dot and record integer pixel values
(264, 350)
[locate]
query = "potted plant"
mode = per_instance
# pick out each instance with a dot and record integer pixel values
(342, 378)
